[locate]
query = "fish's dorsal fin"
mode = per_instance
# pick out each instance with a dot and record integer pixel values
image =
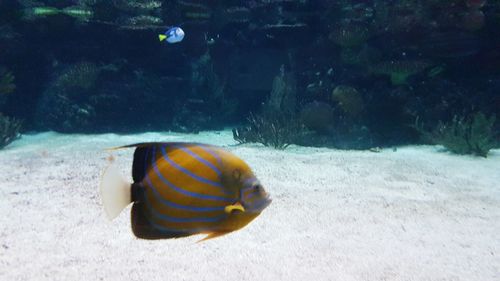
(142, 161)
(143, 153)
(142, 157)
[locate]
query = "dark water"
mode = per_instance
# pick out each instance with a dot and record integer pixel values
(349, 74)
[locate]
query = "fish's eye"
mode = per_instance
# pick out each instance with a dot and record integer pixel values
(258, 188)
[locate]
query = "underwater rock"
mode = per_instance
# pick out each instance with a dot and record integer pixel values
(285, 34)
(251, 72)
(317, 116)
(353, 137)
(450, 44)
(190, 120)
(348, 99)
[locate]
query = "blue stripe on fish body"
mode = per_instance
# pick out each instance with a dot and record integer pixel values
(211, 152)
(170, 204)
(183, 191)
(197, 157)
(165, 229)
(191, 174)
(181, 220)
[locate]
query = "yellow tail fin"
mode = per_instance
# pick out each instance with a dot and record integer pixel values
(162, 37)
(115, 192)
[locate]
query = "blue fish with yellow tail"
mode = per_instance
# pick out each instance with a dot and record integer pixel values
(172, 35)
(182, 189)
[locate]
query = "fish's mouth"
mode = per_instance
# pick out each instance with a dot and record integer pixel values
(259, 205)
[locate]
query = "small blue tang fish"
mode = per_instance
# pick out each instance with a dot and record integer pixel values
(172, 35)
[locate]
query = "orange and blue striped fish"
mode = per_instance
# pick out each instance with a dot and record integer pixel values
(182, 189)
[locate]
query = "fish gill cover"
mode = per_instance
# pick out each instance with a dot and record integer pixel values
(348, 74)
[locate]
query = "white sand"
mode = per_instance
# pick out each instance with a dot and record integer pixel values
(414, 214)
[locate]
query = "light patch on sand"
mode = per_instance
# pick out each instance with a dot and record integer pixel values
(414, 214)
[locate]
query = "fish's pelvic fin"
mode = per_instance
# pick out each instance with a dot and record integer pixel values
(115, 192)
(162, 37)
(236, 206)
(142, 228)
(212, 235)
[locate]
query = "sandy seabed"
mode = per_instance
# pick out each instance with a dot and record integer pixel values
(417, 213)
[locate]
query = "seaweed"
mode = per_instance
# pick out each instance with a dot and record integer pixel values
(9, 130)
(272, 129)
(6, 82)
(464, 135)
(278, 125)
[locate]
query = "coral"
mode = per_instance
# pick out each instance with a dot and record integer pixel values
(283, 93)
(471, 135)
(284, 32)
(34, 11)
(361, 56)
(6, 82)
(317, 116)
(9, 130)
(204, 79)
(65, 105)
(236, 14)
(473, 20)
(78, 77)
(349, 35)
(400, 16)
(197, 12)
(349, 99)
(400, 70)
(210, 87)
(207, 106)
(475, 4)
(273, 129)
(137, 6)
(139, 14)
(140, 22)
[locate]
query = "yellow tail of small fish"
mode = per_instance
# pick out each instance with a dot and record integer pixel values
(115, 192)
(162, 37)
